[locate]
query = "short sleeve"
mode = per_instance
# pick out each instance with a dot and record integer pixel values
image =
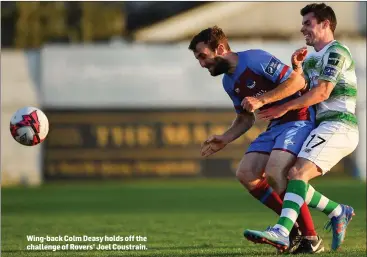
(334, 63)
(267, 65)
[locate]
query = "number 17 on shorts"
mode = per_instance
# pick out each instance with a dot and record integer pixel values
(329, 143)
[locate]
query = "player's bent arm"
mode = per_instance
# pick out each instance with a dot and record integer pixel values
(293, 84)
(241, 124)
(316, 95)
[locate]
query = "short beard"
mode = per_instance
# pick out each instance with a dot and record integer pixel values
(309, 43)
(221, 66)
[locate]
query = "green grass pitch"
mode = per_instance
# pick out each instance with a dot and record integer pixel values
(178, 217)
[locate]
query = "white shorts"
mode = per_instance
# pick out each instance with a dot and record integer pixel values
(330, 142)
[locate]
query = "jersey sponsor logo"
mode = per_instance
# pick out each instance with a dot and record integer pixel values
(272, 66)
(250, 83)
(330, 72)
(259, 93)
(336, 59)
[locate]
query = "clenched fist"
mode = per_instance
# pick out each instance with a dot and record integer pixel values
(298, 57)
(251, 104)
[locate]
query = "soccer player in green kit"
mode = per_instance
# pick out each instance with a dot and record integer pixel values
(330, 73)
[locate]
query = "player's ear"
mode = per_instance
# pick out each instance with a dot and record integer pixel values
(220, 49)
(325, 24)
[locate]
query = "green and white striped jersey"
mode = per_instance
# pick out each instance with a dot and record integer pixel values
(334, 63)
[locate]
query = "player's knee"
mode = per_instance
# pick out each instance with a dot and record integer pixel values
(296, 173)
(247, 178)
(241, 176)
(277, 182)
(270, 176)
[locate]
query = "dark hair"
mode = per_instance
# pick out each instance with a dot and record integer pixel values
(322, 12)
(212, 36)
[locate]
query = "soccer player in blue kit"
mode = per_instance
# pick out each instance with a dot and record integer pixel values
(263, 169)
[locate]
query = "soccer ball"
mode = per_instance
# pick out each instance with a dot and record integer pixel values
(29, 126)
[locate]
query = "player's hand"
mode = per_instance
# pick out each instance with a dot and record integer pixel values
(272, 113)
(212, 145)
(251, 104)
(299, 56)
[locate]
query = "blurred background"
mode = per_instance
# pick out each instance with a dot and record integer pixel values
(124, 96)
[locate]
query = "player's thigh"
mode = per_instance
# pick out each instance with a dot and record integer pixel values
(287, 145)
(264, 143)
(292, 136)
(304, 169)
(252, 166)
(277, 168)
(326, 146)
(253, 163)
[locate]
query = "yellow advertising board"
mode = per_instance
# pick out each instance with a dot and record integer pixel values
(141, 143)
(134, 143)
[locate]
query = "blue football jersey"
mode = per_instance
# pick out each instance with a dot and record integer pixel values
(258, 72)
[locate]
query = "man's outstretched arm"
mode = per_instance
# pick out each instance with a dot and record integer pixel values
(316, 95)
(293, 84)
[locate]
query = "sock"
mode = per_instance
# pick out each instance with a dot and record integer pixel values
(293, 201)
(316, 200)
(265, 194)
(304, 222)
